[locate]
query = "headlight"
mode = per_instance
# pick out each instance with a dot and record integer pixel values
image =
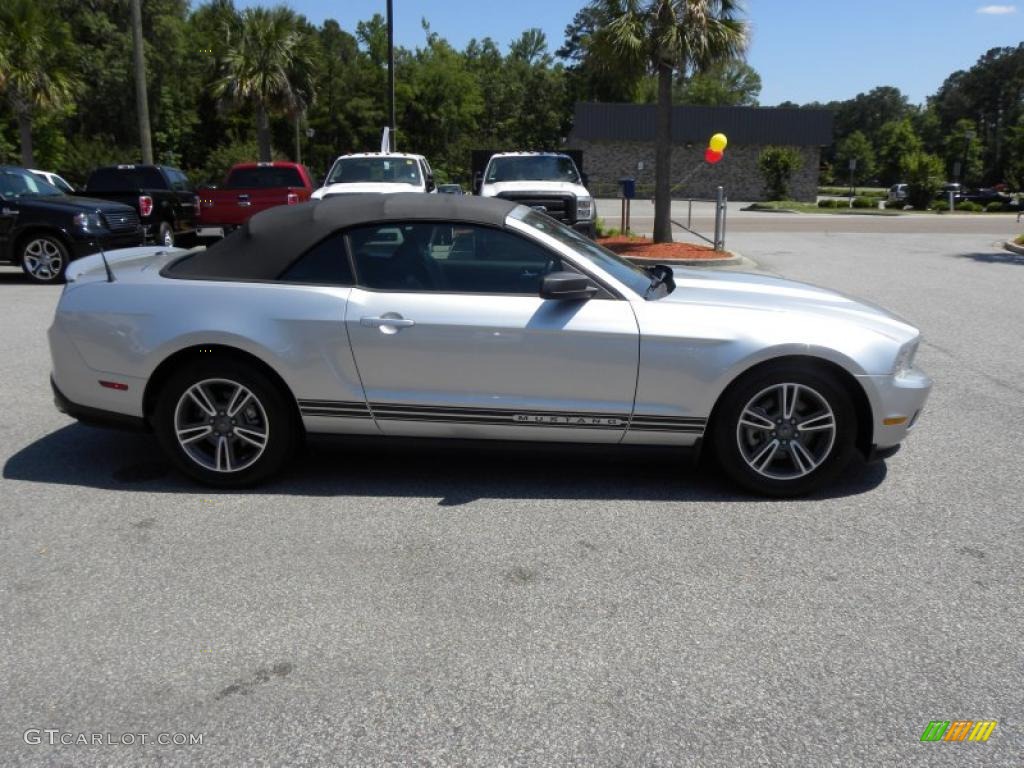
(584, 208)
(905, 358)
(89, 222)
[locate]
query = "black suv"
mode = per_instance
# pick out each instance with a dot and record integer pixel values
(42, 229)
(163, 197)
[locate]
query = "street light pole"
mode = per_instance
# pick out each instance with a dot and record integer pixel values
(391, 76)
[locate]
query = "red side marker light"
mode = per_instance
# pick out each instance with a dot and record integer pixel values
(114, 385)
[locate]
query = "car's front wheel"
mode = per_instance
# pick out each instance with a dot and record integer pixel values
(785, 430)
(44, 258)
(225, 423)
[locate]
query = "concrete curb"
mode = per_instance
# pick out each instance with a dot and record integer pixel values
(1014, 248)
(732, 260)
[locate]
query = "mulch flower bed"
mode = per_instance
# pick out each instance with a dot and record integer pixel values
(645, 248)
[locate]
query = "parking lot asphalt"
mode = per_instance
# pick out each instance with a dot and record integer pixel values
(487, 606)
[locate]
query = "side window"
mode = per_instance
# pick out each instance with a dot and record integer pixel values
(326, 263)
(179, 181)
(450, 258)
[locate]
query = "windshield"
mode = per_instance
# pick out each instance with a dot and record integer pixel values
(15, 183)
(385, 170)
(627, 273)
(532, 168)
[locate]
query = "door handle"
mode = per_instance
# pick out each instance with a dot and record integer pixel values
(389, 323)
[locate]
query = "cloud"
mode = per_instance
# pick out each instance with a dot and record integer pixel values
(997, 10)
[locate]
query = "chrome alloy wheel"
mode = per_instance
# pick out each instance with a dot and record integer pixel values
(221, 425)
(786, 431)
(43, 260)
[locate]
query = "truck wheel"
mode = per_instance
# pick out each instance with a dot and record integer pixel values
(44, 258)
(165, 235)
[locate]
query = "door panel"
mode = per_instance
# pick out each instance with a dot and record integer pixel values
(489, 366)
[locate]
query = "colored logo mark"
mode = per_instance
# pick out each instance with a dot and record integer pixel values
(958, 730)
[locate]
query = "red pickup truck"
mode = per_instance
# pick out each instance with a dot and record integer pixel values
(250, 188)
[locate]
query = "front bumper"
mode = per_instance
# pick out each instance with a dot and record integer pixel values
(896, 405)
(86, 245)
(588, 228)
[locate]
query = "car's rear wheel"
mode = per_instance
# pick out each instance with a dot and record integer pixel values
(785, 430)
(44, 258)
(165, 235)
(225, 423)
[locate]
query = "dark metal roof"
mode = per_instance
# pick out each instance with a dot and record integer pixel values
(272, 240)
(743, 125)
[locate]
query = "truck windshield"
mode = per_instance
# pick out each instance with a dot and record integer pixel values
(386, 170)
(15, 183)
(532, 168)
(627, 273)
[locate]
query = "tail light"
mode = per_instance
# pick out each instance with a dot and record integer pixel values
(293, 198)
(145, 205)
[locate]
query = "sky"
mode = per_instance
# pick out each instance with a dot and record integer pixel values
(804, 50)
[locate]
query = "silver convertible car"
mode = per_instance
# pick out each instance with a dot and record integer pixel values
(463, 317)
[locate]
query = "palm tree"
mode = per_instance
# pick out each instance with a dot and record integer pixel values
(666, 36)
(31, 75)
(266, 65)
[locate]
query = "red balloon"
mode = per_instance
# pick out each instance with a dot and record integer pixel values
(711, 156)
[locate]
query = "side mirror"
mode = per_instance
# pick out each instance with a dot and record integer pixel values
(567, 286)
(431, 186)
(478, 179)
(585, 179)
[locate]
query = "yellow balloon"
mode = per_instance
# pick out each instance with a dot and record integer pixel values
(718, 142)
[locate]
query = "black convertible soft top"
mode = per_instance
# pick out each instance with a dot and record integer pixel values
(267, 245)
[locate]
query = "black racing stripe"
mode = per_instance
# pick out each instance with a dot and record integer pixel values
(498, 422)
(496, 412)
(332, 404)
(677, 430)
(335, 414)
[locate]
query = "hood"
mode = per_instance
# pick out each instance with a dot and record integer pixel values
(514, 187)
(774, 294)
(364, 187)
(74, 204)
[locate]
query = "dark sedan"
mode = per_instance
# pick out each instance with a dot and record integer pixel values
(42, 229)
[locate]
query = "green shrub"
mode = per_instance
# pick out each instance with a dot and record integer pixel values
(968, 207)
(940, 205)
(777, 166)
(864, 202)
(924, 174)
(830, 203)
(996, 207)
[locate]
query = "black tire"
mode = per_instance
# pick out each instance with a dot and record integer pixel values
(731, 440)
(44, 258)
(273, 414)
(165, 235)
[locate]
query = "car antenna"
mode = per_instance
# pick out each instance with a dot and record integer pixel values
(106, 266)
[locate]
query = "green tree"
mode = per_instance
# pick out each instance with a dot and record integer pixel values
(896, 141)
(777, 166)
(963, 149)
(732, 83)
(664, 37)
(34, 78)
(924, 174)
(267, 65)
(855, 147)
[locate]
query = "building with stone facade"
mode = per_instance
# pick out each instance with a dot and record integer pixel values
(617, 141)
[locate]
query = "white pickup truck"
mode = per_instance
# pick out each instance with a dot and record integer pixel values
(385, 172)
(546, 181)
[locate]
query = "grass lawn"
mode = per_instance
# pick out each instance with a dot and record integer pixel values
(792, 205)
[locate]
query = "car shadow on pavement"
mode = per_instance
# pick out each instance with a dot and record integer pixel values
(995, 257)
(454, 471)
